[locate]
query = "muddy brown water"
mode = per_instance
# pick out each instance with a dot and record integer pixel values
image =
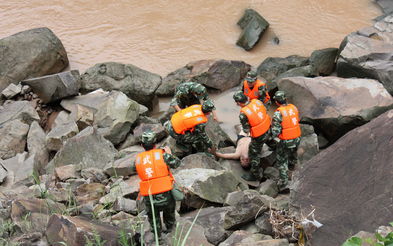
(161, 35)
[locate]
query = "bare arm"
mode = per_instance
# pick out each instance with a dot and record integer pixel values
(234, 156)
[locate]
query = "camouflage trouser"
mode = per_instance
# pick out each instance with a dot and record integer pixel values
(286, 155)
(164, 203)
(253, 154)
(192, 147)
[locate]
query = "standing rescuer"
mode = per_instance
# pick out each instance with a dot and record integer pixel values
(254, 88)
(256, 122)
(157, 181)
(286, 133)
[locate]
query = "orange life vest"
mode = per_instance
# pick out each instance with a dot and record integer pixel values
(254, 93)
(186, 119)
(290, 122)
(153, 172)
(257, 117)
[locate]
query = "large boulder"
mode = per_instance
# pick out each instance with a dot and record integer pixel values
(334, 105)
(54, 87)
(114, 112)
(30, 54)
(199, 160)
(77, 231)
(205, 185)
(323, 62)
(216, 74)
(88, 148)
(136, 83)
(218, 136)
(367, 53)
(348, 184)
(308, 146)
(253, 26)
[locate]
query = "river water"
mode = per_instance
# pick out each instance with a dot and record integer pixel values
(161, 35)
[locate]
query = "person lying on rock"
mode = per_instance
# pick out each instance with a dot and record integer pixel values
(255, 88)
(256, 121)
(187, 127)
(241, 152)
(190, 93)
(157, 181)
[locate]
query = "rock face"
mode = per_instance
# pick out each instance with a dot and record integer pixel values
(334, 105)
(88, 148)
(136, 83)
(253, 26)
(114, 112)
(55, 87)
(367, 53)
(386, 5)
(29, 54)
(217, 74)
(355, 170)
(22, 110)
(323, 62)
(13, 138)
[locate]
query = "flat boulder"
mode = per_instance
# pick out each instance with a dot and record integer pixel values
(199, 160)
(28, 54)
(136, 83)
(54, 87)
(253, 26)
(87, 148)
(354, 170)
(367, 53)
(335, 105)
(217, 74)
(13, 138)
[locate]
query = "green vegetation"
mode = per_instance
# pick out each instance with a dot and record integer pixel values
(378, 240)
(95, 240)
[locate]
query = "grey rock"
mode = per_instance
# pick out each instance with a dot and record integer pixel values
(268, 188)
(54, 87)
(3, 173)
(63, 130)
(264, 225)
(358, 163)
(336, 105)
(121, 167)
(36, 144)
(198, 160)
(157, 128)
(136, 83)
(271, 173)
(118, 189)
(253, 26)
(309, 145)
(218, 136)
(67, 172)
(386, 5)
(22, 110)
(241, 237)
(93, 174)
(323, 62)
(126, 205)
(11, 91)
(20, 168)
(13, 140)
(32, 53)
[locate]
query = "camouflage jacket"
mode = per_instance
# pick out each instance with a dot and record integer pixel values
(198, 135)
(276, 129)
(184, 95)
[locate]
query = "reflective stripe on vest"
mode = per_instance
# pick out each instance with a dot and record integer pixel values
(153, 172)
(290, 122)
(257, 117)
(254, 93)
(186, 119)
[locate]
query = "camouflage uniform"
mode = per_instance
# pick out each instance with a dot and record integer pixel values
(163, 202)
(255, 148)
(191, 142)
(189, 93)
(262, 94)
(286, 150)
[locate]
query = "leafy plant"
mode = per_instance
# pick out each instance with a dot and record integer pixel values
(378, 240)
(96, 240)
(37, 181)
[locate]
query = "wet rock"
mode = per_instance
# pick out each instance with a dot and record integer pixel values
(75, 230)
(21, 110)
(13, 138)
(358, 163)
(323, 62)
(308, 146)
(11, 91)
(114, 112)
(136, 83)
(36, 144)
(334, 105)
(366, 53)
(216, 74)
(88, 148)
(54, 87)
(245, 206)
(32, 53)
(253, 26)
(272, 67)
(205, 184)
